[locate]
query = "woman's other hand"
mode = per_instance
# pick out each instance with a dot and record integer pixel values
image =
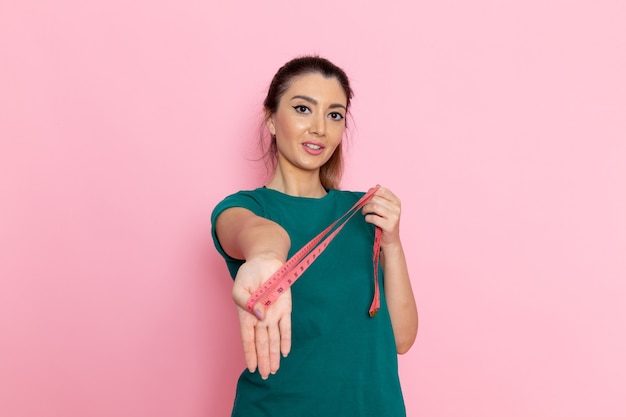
(383, 210)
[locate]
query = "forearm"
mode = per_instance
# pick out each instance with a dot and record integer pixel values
(244, 235)
(264, 239)
(399, 296)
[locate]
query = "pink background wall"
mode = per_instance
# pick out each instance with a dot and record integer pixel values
(501, 124)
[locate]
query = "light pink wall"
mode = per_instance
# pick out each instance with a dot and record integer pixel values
(501, 124)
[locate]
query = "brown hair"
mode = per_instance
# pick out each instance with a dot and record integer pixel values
(332, 170)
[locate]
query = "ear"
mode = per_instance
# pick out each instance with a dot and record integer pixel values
(269, 122)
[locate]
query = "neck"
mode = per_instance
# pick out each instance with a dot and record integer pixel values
(305, 184)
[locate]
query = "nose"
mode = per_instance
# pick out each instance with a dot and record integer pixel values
(318, 124)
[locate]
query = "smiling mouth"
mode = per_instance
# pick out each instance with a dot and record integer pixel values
(313, 146)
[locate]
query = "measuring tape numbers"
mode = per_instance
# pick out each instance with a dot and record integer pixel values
(295, 266)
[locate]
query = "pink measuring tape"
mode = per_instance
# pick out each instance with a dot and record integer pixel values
(293, 269)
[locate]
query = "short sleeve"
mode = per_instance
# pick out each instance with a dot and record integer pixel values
(243, 199)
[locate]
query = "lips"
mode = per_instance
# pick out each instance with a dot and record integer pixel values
(313, 148)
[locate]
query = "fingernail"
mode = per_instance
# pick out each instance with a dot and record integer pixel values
(258, 314)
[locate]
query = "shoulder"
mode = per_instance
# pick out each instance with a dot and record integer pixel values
(347, 196)
(252, 200)
(350, 194)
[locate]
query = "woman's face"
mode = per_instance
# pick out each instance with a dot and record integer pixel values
(309, 122)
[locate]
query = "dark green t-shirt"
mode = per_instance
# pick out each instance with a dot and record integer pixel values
(343, 363)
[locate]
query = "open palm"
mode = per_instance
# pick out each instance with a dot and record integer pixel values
(266, 334)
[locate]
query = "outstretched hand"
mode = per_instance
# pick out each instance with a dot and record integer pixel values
(266, 334)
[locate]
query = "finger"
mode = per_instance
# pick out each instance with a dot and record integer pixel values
(374, 210)
(284, 326)
(246, 325)
(377, 205)
(376, 220)
(386, 194)
(241, 296)
(384, 208)
(274, 348)
(262, 351)
(385, 201)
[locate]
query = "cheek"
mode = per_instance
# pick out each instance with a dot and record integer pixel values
(334, 144)
(338, 132)
(289, 127)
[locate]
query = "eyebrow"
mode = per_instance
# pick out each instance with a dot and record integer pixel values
(313, 101)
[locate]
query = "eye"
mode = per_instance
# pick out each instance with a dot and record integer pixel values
(302, 109)
(336, 116)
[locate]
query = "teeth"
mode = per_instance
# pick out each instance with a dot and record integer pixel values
(312, 146)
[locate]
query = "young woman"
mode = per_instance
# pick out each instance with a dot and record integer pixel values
(315, 351)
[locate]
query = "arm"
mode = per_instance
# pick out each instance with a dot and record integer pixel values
(400, 299)
(383, 210)
(264, 246)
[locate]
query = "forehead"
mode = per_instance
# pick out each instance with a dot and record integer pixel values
(318, 87)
